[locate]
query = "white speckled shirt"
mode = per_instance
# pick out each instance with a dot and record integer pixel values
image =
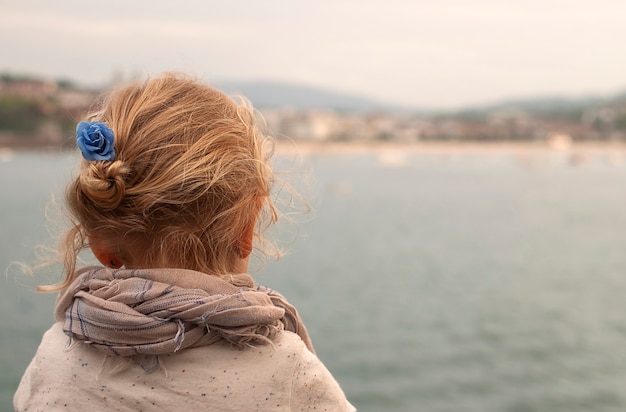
(218, 377)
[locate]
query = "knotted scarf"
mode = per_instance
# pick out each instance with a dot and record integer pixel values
(158, 311)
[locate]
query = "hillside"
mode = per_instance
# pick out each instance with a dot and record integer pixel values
(266, 94)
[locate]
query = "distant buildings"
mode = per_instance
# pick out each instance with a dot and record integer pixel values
(328, 125)
(592, 124)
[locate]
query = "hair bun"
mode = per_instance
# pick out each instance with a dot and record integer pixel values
(104, 183)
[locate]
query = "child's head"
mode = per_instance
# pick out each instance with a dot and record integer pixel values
(189, 179)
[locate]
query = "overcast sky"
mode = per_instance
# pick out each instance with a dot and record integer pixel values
(428, 54)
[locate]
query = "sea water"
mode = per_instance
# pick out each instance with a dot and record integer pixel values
(483, 280)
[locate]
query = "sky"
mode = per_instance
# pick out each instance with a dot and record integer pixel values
(415, 53)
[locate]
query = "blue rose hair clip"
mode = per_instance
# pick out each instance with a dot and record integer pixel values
(95, 141)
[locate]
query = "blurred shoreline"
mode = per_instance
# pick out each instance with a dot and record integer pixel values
(307, 147)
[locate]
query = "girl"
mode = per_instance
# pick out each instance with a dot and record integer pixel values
(173, 189)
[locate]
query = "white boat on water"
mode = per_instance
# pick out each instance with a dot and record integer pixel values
(6, 154)
(392, 158)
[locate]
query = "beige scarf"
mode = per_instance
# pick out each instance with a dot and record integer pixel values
(158, 311)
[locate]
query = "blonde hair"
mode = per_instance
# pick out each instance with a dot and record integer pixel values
(191, 173)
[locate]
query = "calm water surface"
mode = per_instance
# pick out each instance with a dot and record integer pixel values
(480, 281)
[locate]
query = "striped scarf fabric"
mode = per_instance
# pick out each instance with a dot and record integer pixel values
(158, 311)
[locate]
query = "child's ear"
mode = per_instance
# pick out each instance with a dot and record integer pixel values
(104, 253)
(245, 244)
(247, 237)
